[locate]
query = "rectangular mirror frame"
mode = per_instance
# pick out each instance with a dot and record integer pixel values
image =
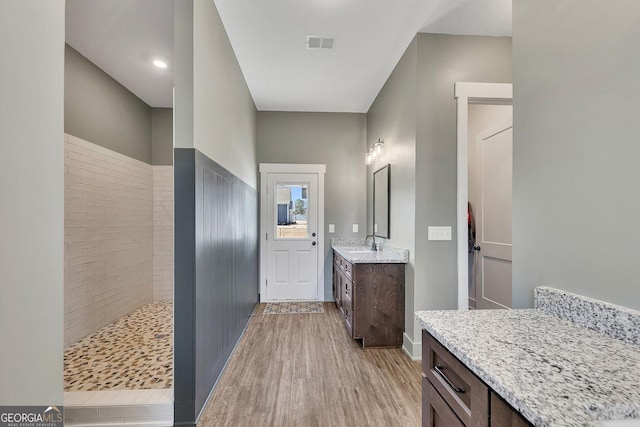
(385, 170)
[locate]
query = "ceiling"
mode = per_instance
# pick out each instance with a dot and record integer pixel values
(123, 36)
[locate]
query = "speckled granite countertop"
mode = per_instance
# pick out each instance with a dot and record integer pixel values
(357, 252)
(554, 372)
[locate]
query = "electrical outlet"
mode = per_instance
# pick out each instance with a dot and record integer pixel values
(439, 233)
(355, 228)
(332, 228)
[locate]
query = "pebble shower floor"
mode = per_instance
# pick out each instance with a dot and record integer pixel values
(134, 352)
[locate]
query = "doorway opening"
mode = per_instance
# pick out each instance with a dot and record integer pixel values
(467, 94)
(291, 231)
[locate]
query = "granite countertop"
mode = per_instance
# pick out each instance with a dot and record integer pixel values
(357, 252)
(554, 372)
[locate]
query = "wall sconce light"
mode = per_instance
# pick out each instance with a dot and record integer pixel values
(374, 152)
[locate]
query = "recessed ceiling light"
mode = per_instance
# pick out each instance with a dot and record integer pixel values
(160, 64)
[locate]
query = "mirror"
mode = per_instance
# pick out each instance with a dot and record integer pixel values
(381, 192)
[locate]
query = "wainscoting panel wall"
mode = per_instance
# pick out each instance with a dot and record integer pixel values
(216, 274)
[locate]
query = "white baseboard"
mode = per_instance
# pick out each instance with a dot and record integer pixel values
(413, 349)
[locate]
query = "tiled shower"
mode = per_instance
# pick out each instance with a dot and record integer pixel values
(118, 270)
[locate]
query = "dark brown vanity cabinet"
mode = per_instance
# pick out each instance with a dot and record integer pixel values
(452, 395)
(370, 298)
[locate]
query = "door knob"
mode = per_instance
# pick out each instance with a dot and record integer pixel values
(476, 248)
(313, 243)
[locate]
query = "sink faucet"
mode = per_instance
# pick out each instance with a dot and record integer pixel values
(374, 247)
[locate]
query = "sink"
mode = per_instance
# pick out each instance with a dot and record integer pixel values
(364, 251)
(621, 423)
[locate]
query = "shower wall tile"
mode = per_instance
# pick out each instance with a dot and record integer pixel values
(108, 236)
(163, 233)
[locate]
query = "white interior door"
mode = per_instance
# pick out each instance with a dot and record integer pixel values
(494, 153)
(292, 237)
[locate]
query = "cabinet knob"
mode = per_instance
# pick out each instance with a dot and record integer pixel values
(313, 243)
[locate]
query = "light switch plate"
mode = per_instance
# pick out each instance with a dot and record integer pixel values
(355, 228)
(332, 228)
(439, 233)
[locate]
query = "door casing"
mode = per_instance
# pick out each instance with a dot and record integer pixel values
(265, 169)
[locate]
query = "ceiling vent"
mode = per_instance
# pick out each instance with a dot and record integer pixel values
(320, 42)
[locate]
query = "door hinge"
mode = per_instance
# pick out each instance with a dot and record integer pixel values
(266, 236)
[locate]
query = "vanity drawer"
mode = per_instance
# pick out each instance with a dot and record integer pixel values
(467, 396)
(348, 268)
(343, 264)
(347, 303)
(436, 412)
(337, 259)
(348, 318)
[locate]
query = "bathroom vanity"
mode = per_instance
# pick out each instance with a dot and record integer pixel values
(368, 287)
(571, 361)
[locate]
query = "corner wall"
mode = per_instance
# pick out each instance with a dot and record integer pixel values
(31, 201)
(224, 114)
(101, 110)
(392, 117)
(215, 181)
(442, 61)
(576, 149)
(415, 114)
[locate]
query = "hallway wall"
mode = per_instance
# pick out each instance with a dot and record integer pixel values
(31, 201)
(575, 149)
(216, 283)
(336, 140)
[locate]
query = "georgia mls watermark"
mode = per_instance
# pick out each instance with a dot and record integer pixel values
(31, 416)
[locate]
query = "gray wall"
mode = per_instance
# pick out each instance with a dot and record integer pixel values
(442, 61)
(392, 116)
(417, 111)
(162, 136)
(216, 281)
(31, 202)
(183, 73)
(334, 139)
(100, 110)
(224, 115)
(576, 151)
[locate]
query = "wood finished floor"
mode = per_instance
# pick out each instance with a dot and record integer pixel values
(304, 370)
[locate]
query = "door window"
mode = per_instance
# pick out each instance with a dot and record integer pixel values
(292, 207)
